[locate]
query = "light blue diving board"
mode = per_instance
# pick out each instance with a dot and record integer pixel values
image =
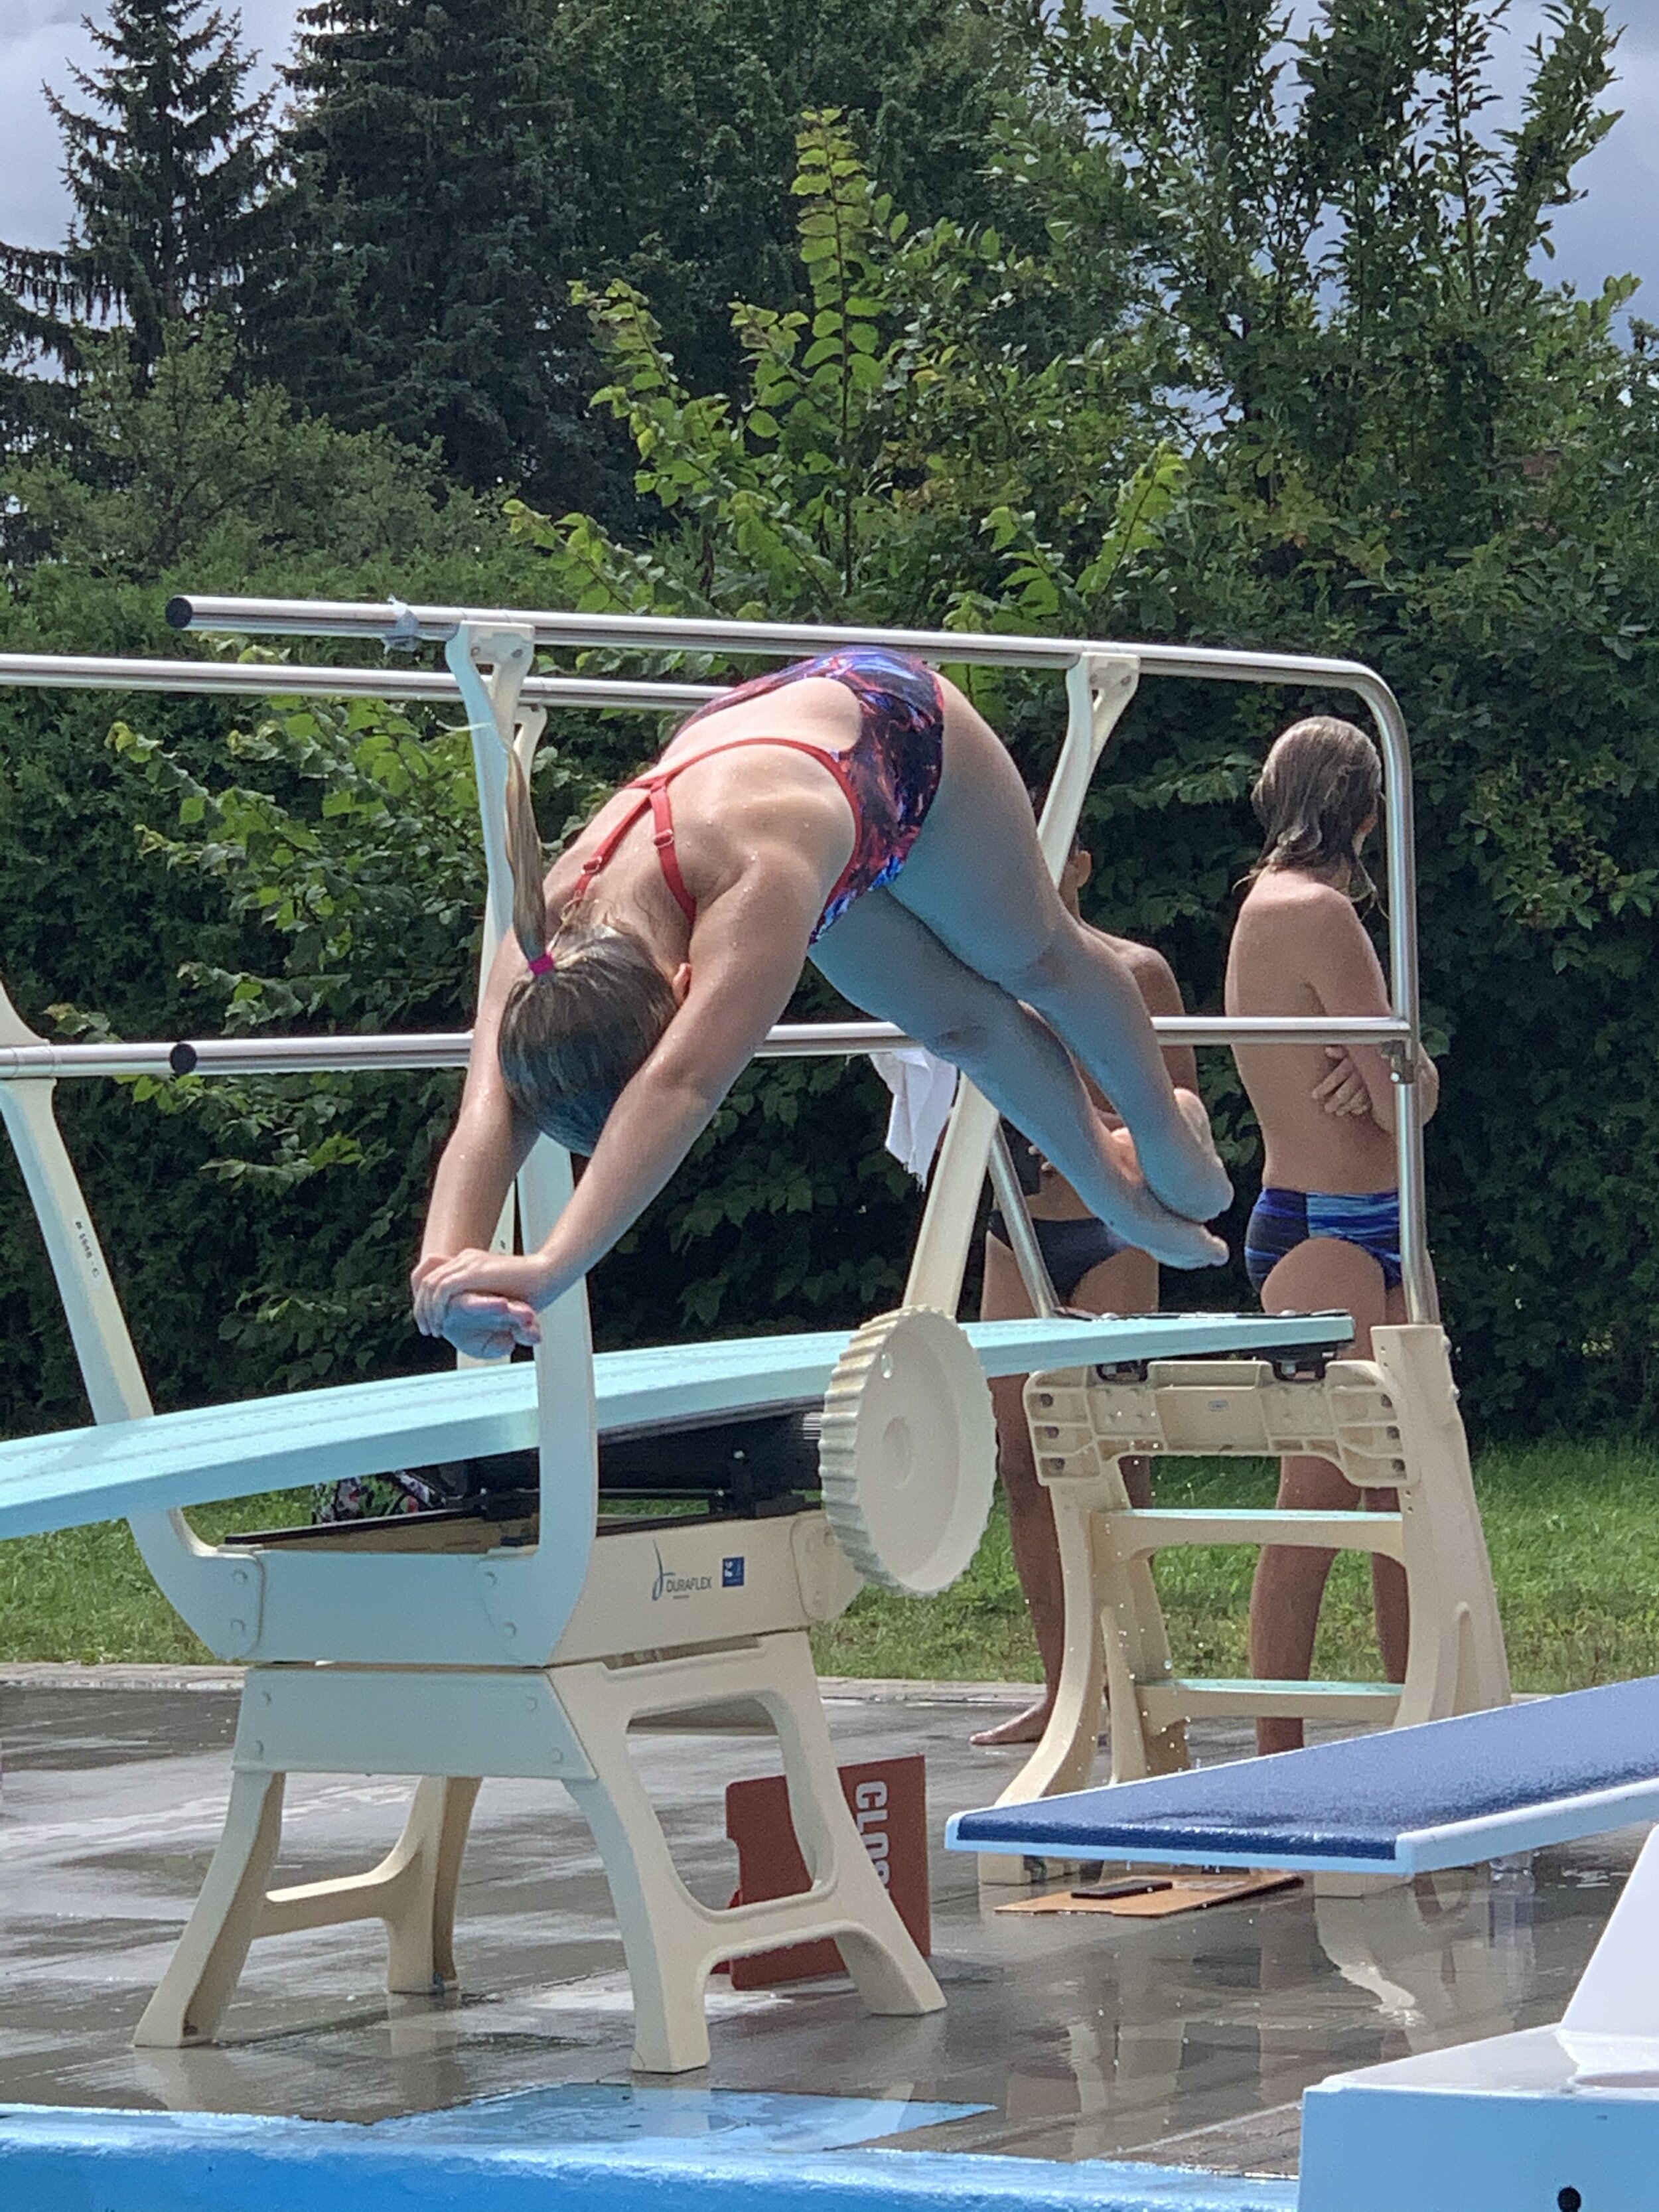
(1445, 1794)
(212, 1452)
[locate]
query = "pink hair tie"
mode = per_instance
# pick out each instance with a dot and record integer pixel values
(542, 964)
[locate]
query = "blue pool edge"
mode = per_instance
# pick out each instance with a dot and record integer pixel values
(63, 2159)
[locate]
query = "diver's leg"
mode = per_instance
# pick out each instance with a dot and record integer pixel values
(883, 958)
(975, 877)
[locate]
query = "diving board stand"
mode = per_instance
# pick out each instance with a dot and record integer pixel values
(716, 1613)
(1389, 1423)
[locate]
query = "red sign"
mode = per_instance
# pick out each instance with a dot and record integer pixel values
(888, 1800)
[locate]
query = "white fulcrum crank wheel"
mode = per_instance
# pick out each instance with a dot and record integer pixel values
(907, 1451)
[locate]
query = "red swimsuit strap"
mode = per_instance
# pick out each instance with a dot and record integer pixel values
(653, 791)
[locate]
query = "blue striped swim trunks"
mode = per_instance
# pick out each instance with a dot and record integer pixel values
(1282, 1219)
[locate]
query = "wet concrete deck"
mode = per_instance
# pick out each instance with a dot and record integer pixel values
(1187, 2042)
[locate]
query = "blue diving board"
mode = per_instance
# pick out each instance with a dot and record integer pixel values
(1406, 1800)
(119, 1468)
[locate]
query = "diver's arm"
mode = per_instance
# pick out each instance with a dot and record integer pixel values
(746, 955)
(490, 1142)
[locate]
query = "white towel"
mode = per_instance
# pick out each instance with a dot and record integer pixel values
(924, 1088)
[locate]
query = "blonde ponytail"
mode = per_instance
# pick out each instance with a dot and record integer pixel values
(523, 858)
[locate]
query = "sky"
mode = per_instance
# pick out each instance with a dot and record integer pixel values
(1611, 231)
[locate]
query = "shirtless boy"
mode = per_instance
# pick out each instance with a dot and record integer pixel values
(1325, 1232)
(1096, 1270)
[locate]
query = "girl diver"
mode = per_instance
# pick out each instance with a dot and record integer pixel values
(854, 809)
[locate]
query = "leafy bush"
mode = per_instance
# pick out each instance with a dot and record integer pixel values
(196, 482)
(1253, 357)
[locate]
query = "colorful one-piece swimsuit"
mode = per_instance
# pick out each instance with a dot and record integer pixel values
(889, 774)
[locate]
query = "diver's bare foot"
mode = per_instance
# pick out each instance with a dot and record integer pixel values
(1024, 1728)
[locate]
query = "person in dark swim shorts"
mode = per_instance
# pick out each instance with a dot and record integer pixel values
(1093, 1268)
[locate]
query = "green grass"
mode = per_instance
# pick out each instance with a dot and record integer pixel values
(1574, 1532)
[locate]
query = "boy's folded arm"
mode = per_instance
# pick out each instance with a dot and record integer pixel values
(1346, 976)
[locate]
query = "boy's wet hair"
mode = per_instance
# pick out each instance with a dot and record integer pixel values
(572, 1036)
(1319, 784)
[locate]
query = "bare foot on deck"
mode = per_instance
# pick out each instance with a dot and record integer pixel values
(1024, 1728)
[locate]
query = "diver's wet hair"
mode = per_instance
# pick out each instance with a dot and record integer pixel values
(1319, 784)
(590, 1012)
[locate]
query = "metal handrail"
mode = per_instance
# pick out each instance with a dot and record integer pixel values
(418, 1048)
(272, 680)
(395, 625)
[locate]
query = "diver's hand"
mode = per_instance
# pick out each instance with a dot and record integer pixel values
(489, 1328)
(503, 1288)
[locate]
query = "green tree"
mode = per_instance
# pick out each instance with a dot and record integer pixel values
(427, 229)
(693, 209)
(1407, 446)
(167, 166)
(194, 465)
(456, 167)
(195, 481)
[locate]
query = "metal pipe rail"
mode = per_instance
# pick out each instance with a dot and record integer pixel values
(399, 626)
(270, 680)
(395, 624)
(358, 1055)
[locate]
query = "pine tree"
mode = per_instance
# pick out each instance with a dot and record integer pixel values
(684, 118)
(457, 164)
(424, 283)
(167, 166)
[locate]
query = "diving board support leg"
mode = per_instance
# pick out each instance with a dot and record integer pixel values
(190, 2002)
(452, 1818)
(1457, 1662)
(412, 1890)
(671, 1940)
(1108, 1650)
